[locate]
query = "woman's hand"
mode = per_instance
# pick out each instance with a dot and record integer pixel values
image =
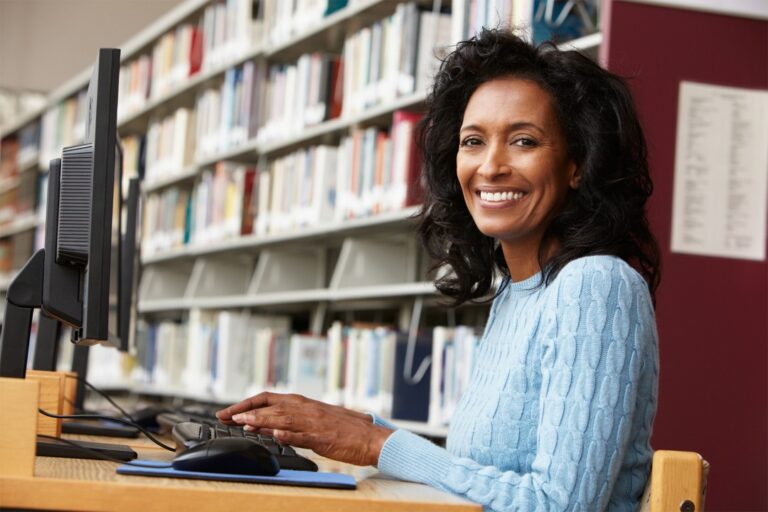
(329, 430)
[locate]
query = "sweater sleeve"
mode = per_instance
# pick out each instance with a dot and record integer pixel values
(591, 363)
(381, 422)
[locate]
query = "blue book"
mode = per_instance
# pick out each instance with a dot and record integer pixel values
(579, 20)
(284, 477)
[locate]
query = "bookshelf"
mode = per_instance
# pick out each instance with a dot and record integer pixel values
(303, 262)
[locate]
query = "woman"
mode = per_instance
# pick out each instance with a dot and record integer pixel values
(535, 166)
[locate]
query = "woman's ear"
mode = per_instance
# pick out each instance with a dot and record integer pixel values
(574, 175)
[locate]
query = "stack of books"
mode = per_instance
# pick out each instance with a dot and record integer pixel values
(301, 95)
(170, 145)
(393, 57)
(230, 115)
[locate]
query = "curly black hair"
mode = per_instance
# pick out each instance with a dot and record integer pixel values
(605, 214)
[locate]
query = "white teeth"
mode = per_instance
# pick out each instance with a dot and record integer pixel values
(500, 196)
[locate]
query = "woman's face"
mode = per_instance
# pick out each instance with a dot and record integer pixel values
(512, 163)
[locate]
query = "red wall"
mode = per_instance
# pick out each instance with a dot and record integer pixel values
(711, 312)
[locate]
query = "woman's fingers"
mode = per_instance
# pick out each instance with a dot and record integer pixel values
(255, 402)
(273, 417)
(296, 439)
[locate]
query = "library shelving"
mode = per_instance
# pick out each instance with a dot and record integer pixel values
(223, 102)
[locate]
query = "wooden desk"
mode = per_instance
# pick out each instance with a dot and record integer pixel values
(75, 484)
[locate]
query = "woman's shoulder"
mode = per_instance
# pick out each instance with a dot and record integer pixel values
(596, 273)
(605, 265)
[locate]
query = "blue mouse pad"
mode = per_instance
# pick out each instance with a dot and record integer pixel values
(284, 477)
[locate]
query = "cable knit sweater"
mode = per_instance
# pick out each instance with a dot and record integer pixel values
(559, 410)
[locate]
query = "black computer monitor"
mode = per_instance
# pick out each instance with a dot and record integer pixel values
(71, 279)
(83, 237)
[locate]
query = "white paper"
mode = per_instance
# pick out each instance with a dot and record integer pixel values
(721, 170)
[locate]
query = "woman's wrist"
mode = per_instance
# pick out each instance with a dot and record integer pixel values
(376, 440)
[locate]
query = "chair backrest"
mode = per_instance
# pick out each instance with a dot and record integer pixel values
(678, 483)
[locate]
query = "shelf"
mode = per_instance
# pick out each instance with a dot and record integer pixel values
(185, 175)
(20, 224)
(343, 123)
(374, 222)
(30, 164)
(382, 291)
(5, 280)
(293, 297)
(250, 147)
(9, 183)
(22, 121)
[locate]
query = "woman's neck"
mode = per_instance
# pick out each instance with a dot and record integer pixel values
(523, 259)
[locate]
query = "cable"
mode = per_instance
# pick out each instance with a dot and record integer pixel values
(104, 456)
(107, 398)
(100, 417)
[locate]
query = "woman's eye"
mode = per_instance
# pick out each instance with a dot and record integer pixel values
(524, 141)
(470, 141)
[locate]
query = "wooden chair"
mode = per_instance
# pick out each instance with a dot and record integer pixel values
(678, 483)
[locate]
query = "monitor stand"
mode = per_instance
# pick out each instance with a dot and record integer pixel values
(25, 294)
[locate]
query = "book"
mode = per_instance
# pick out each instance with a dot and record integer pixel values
(307, 365)
(407, 189)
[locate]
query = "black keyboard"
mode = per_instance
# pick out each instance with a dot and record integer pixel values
(189, 433)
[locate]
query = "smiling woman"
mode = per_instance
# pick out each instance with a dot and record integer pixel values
(535, 168)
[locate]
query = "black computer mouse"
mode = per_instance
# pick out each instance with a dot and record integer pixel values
(227, 455)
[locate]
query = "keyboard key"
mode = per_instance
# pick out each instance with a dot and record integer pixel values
(270, 445)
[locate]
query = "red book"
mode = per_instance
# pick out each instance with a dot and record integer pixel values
(249, 202)
(196, 51)
(336, 88)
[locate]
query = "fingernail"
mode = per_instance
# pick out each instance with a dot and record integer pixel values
(238, 417)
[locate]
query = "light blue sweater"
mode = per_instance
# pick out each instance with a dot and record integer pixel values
(559, 410)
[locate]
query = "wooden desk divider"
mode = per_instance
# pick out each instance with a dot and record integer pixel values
(70, 393)
(18, 403)
(51, 399)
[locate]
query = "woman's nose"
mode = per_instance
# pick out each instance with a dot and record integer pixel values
(495, 161)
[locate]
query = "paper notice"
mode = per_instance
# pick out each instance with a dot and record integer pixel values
(721, 170)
